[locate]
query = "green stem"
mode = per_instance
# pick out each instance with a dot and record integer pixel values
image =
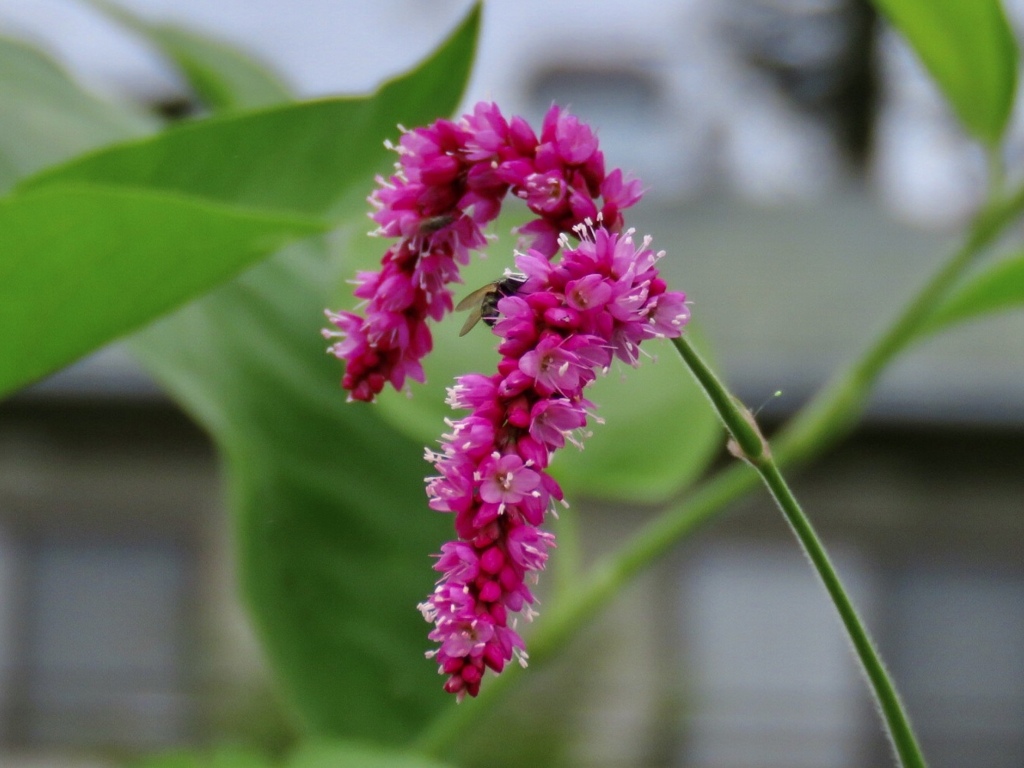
(834, 410)
(885, 691)
(829, 416)
(996, 171)
(749, 443)
(761, 460)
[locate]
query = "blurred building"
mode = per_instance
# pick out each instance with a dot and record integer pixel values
(805, 176)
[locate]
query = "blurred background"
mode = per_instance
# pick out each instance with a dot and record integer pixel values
(805, 177)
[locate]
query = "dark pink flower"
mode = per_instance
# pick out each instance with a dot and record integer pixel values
(501, 492)
(554, 420)
(564, 324)
(553, 366)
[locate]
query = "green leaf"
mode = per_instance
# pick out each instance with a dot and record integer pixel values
(657, 439)
(970, 50)
(998, 289)
(299, 157)
(82, 265)
(334, 533)
(333, 529)
(47, 118)
(223, 76)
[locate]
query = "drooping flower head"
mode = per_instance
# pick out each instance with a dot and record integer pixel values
(449, 182)
(567, 319)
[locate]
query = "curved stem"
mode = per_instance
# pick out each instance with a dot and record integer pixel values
(761, 460)
(826, 419)
(834, 410)
(888, 699)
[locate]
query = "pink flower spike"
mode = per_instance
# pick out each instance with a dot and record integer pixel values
(563, 323)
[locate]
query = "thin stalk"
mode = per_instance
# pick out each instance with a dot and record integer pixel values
(834, 410)
(761, 460)
(890, 705)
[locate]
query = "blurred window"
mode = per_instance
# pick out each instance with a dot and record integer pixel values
(98, 659)
(772, 681)
(772, 678)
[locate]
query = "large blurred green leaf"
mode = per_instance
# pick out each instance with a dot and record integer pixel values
(46, 118)
(970, 50)
(333, 528)
(997, 289)
(80, 265)
(223, 76)
(299, 157)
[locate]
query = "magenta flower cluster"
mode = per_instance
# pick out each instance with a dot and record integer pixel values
(450, 182)
(565, 322)
(564, 325)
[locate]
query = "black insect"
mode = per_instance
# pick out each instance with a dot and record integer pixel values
(483, 302)
(435, 224)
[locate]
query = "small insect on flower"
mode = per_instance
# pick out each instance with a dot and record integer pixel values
(435, 224)
(483, 302)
